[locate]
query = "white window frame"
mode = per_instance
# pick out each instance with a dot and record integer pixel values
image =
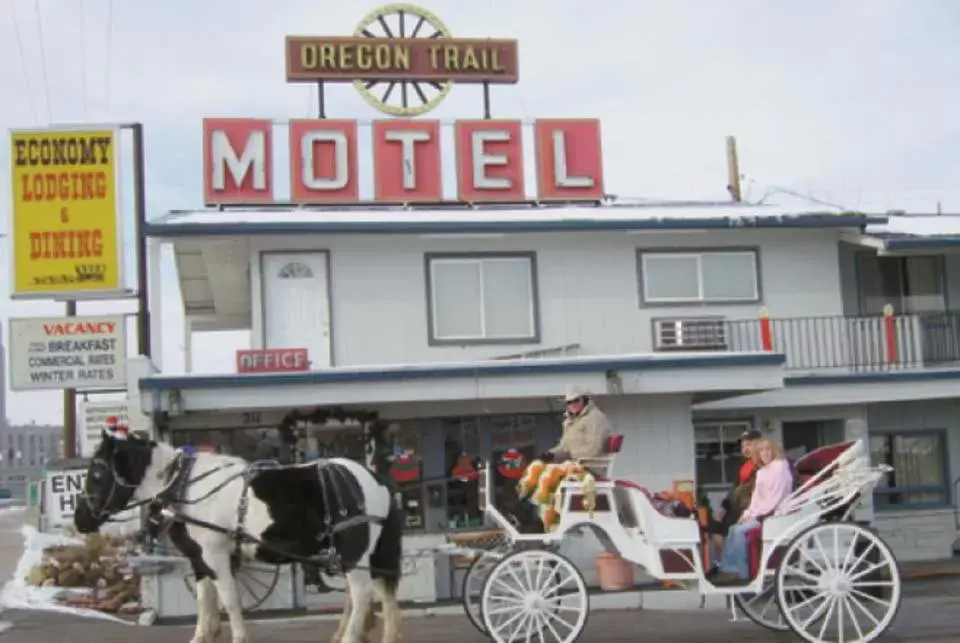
(698, 257)
(738, 427)
(529, 260)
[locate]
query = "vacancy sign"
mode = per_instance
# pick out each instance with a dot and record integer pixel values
(83, 353)
(325, 158)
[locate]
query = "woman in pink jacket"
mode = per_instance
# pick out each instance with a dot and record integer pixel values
(774, 483)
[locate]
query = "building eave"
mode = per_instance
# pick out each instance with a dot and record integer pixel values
(408, 372)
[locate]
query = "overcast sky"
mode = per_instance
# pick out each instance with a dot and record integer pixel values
(853, 102)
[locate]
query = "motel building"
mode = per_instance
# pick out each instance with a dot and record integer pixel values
(464, 325)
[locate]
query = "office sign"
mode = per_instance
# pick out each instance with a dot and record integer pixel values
(273, 360)
(67, 232)
(85, 353)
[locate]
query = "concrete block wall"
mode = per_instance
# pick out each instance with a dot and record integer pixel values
(918, 534)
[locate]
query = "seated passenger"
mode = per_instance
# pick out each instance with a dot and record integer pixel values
(586, 430)
(739, 497)
(774, 484)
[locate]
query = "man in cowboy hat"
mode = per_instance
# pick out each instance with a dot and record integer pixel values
(586, 429)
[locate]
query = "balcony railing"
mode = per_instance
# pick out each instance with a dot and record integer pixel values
(852, 344)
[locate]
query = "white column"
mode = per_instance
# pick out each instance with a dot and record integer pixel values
(188, 345)
(154, 253)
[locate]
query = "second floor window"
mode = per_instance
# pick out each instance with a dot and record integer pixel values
(699, 277)
(482, 299)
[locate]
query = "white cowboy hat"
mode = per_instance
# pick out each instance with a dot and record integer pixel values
(573, 393)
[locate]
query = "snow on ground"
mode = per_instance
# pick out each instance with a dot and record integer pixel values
(16, 594)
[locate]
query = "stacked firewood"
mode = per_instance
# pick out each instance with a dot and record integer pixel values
(100, 566)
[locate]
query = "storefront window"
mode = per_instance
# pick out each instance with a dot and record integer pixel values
(461, 447)
(514, 446)
(407, 471)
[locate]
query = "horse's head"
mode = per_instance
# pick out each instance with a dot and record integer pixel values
(118, 468)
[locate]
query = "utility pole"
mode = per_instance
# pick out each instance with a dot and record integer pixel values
(733, 170)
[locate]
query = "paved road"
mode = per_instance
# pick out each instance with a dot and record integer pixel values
(930, 613)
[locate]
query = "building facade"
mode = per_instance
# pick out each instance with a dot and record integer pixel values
(24, 449)
(686, 323)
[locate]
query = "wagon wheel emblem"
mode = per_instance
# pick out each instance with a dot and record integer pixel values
(402, 97)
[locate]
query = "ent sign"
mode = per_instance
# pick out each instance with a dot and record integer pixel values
(407, 161)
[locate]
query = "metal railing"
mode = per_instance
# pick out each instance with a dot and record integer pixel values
(853, 344)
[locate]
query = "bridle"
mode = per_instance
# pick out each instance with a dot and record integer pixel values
(118, 483)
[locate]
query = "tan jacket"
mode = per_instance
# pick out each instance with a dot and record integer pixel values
(585, 435)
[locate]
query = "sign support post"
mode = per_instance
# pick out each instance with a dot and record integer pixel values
(70, 405)
(140, 219)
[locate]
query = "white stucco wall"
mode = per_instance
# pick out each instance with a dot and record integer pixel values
(587, 284)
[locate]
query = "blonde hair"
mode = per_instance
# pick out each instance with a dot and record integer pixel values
(775, 448)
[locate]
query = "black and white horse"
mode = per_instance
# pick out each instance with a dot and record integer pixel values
(223, 511)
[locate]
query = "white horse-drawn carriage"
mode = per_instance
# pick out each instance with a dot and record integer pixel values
(814, 570)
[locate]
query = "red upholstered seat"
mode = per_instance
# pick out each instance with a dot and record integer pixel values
(614, 443)
(817, 460)
(754, 549)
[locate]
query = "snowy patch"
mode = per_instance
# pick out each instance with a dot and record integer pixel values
(918, 225)
(17, 594)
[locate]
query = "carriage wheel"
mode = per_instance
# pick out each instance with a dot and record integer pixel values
(763, 608)
(849, 578)
(402, 97)
(535, 593)
(472, 588)
(255, 584)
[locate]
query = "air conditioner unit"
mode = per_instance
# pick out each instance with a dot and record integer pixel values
(690, 334)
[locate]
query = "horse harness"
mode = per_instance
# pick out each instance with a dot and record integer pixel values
(167, 507)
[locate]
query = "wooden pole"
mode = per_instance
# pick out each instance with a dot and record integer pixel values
(733, 170)
(70, 406)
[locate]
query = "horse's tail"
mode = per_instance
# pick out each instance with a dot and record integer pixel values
(386, 560)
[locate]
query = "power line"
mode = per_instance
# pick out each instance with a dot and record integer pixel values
(83, 57)
(43, 58)
(107, 66)
(23, 62)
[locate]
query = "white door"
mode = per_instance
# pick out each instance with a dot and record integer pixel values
(296, 304)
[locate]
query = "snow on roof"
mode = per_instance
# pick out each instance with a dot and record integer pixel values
(921, 225)
(465, 218)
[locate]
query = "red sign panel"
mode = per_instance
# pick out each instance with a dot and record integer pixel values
(237, 161)
(406, 161)
(489, 160)
(569, 163)
(273, 360)
(323, 161)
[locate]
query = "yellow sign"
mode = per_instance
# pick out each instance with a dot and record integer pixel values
(67, 233)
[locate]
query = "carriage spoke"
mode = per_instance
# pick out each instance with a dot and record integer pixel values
(823, 554)
(863, 610)
(878, 601)
(403, 94)
(802, 573)
(826, 619)
(853, 617)
(868, 570)
(371, 83)
(519, 595)
(856, 564)
(437, 34)
(367, 33)
(436, 85)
